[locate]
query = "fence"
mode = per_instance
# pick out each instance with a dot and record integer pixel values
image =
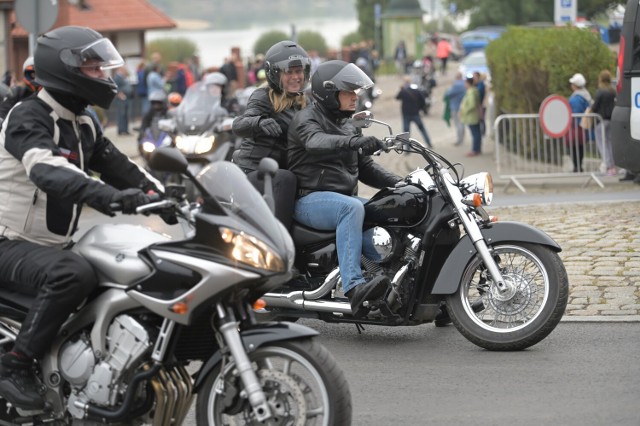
(524, 151)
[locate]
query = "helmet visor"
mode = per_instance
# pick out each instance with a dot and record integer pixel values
(350, 79)
(101, 53)
(294, 64)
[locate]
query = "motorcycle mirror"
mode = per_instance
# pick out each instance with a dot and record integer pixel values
(168, 159)
(167, 125)
(362, 119)
(267, 169)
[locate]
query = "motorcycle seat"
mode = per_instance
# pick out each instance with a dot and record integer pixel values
(303, 235)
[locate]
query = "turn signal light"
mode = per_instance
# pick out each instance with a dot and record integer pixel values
(259, 304)
(180, 308)
(474, 200)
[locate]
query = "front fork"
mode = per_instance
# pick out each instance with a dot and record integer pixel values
(473, 231)
(257, 398)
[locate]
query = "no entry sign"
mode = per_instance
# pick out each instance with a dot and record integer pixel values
(555, 116)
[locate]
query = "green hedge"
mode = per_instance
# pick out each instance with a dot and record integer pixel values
(529, 64)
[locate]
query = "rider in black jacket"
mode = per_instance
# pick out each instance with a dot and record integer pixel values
(265, 122)
(329, 155)
(49, 148)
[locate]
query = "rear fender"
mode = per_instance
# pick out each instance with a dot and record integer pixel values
(255, 338)
(451, 273)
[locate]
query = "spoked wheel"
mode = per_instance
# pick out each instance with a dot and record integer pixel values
(301, 380)
(537, 290)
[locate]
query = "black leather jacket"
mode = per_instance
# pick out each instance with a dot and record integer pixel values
(256, 145)
(320, 157)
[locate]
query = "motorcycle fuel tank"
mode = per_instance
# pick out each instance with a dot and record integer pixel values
(406, 205)
(113, 249)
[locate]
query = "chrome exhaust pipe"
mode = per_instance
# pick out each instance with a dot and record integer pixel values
(308, 300)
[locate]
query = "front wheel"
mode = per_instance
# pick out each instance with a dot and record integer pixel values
(301, 381)
(537, 290)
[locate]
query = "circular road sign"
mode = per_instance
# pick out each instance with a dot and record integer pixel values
(555, 116)
(36, 16)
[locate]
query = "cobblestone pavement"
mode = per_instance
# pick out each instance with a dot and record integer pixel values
(600, 250)
(600, 241)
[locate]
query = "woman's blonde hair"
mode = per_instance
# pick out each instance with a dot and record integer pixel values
(282, 101)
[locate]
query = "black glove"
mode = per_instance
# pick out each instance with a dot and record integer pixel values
(131, 199)
(366, 145)
(270, 127)
(169, 216)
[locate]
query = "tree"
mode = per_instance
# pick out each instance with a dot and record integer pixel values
(366, 18)
(312, 40)
(509, 12)
(172, 49)
(268, 39)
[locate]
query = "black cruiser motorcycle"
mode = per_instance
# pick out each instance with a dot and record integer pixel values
(503, 283)
(122, 357)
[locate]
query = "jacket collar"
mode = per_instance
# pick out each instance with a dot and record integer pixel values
(62, 112)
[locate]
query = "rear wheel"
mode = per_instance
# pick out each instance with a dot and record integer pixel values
(537, 290)
(301, 381)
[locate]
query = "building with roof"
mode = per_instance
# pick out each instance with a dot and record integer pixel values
(124, 22)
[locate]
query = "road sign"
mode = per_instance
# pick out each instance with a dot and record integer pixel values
(565, 11)
(555, 116)
(36, 16)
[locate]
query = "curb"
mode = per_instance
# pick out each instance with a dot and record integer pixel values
(601, 318)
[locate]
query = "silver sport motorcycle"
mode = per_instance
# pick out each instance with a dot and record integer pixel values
(174, 320)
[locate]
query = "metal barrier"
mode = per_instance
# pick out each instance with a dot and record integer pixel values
(524, 151)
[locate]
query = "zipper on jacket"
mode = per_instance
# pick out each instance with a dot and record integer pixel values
(320, 178)
(31, 213)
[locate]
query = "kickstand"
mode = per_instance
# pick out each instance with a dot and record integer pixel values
(359, 327)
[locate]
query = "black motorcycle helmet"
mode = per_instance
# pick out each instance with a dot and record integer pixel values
(60, 55)
(282, 56)
(334, 76)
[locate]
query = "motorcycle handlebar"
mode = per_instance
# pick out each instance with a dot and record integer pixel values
(156, 202)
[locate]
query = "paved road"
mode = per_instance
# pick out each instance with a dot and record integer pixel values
(596, 227)
(580, 375)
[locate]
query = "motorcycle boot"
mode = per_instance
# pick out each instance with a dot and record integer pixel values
(368, 291)
(18, 382)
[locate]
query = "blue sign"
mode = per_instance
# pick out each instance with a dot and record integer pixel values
(565, 3)
(377, 10)
(636, 99)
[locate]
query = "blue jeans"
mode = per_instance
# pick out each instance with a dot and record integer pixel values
(406, 122)
(476, 138)
(329, 211)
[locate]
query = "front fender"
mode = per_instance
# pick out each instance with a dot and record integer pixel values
(256, 337)
(451, 273)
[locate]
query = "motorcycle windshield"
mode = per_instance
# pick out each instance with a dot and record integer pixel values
(200, 109)
(229, 186)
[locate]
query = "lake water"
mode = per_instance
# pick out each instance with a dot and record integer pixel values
(214, 46)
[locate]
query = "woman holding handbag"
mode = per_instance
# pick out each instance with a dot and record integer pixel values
(605, 100)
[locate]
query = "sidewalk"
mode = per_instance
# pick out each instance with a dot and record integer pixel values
(600, 242)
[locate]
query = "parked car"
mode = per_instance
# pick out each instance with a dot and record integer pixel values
(475, 61)
(478, 39)
(625, 120)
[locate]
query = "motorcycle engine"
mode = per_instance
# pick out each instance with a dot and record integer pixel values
(100, 381)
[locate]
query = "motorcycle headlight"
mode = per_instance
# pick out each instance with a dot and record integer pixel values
(181, 143)
(204, 144)
(480, 183)
(148, 147)
(251, 251)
